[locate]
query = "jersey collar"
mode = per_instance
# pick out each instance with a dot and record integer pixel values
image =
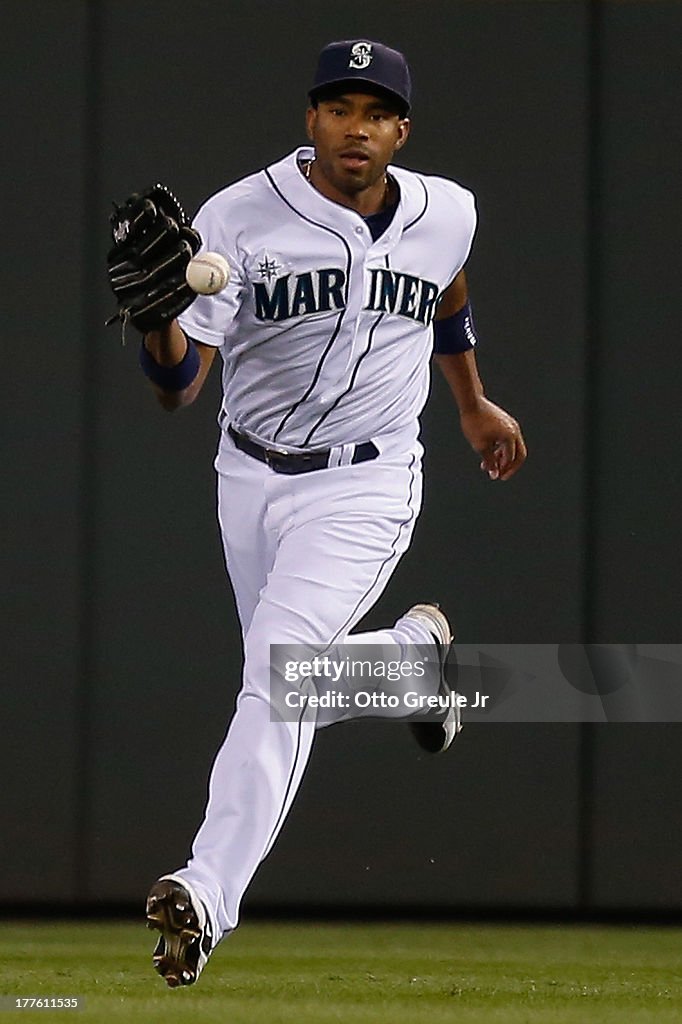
(310, 204)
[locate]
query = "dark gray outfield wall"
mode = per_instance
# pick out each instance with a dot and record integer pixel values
(120, 650)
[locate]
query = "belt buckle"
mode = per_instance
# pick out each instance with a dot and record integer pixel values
(276, 460)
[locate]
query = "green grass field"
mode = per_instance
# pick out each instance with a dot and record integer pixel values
(360, 974)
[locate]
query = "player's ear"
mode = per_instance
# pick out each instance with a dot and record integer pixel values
(310, 118)
(404, 125)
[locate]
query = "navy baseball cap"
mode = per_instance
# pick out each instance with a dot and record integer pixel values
(362, 62)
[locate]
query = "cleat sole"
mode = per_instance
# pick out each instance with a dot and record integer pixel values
(179, 931)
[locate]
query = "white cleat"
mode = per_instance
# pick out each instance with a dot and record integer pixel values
(436, 736)
(186, 938)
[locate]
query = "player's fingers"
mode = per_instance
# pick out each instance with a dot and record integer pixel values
(503, 457)
(518, 460)
(505, 454)
(490, 462)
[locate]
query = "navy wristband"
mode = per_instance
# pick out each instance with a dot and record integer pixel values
(454, 333)
(172, 378)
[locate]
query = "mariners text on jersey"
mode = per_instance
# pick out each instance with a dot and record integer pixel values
(316, 291)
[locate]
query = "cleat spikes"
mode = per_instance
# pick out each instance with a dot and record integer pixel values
(186, 938)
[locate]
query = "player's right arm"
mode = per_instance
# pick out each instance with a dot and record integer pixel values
(200, 329)
(152, 246)
(168, 347)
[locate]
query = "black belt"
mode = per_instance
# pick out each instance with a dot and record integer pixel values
(297, 462)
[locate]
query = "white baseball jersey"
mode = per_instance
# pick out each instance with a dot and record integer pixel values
(325, 334)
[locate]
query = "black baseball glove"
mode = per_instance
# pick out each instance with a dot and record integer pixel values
(146, 265)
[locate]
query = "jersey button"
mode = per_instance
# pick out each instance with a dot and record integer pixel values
(358, 230)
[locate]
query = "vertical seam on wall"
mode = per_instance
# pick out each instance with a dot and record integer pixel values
(91, 259)
(593, 257)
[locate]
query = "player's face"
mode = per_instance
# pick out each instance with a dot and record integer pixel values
(355, 137)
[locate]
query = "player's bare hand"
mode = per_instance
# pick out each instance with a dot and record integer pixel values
(497, 438)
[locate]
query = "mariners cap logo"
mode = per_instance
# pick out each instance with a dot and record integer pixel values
(360, 56)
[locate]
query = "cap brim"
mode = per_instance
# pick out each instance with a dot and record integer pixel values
(355, 85)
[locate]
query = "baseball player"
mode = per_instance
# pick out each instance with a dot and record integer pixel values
(345, 274)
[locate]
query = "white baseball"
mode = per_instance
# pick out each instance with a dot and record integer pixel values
(207, 273)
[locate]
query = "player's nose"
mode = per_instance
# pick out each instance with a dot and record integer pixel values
(356, 128)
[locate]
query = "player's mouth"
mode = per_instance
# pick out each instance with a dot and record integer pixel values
(354, 159)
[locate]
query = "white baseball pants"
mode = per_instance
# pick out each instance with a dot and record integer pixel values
(307, 556)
